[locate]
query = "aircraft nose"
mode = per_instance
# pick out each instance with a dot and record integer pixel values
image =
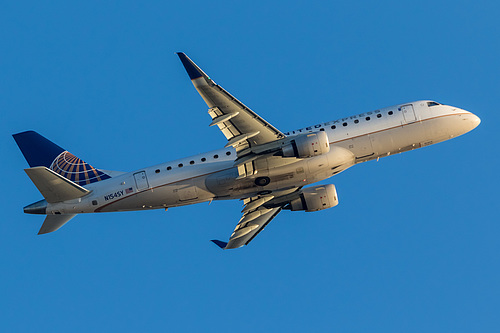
(475, 120)
(470, 121)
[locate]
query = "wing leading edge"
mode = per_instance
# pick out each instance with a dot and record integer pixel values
(242, 127)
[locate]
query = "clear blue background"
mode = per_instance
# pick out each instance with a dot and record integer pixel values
(412, 247)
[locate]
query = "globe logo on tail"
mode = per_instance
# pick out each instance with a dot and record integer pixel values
(76, 170)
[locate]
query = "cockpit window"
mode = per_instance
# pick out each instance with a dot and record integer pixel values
(432, 103)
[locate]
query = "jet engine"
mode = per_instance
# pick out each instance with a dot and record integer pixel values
(307, 145)
(315, 198)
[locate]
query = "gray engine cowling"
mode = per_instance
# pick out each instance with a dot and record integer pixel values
(315, 198)
(307, 145)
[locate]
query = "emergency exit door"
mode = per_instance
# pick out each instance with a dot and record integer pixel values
(141, 181)
(409, 113)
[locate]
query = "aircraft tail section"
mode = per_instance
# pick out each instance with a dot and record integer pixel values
(39, 151)
(54, 187)
(54, 222)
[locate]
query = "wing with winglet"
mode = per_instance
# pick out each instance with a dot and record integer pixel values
(242, 127)
(257, 214)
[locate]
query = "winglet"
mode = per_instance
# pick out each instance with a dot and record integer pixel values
(192, 69)
(219, 243)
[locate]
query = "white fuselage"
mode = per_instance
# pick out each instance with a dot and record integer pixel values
(213, 176)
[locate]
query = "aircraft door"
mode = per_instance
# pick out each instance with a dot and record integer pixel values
(408, 113)
(141, 180)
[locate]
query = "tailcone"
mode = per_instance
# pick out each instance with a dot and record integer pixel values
(39, 207)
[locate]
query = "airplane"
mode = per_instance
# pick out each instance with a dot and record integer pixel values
(265, 168)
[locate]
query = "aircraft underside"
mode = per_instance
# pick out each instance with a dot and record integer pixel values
(264, 167)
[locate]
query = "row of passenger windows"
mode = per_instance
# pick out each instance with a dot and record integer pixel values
(356, 121)
(203, 159)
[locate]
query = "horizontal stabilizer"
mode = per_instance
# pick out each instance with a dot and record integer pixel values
(54, 187)
(54, 222)
(219, 243)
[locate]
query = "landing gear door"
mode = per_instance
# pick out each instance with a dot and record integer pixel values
(141, 181)
(408, 113)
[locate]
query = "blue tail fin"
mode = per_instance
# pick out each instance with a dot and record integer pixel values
(38, 151)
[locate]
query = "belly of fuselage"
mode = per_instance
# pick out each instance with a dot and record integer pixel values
(283, 173)
(224, 184)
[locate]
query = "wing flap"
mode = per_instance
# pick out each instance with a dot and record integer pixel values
(257, 214)
(245, 232)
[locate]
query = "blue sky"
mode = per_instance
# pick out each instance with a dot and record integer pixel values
(413, 245)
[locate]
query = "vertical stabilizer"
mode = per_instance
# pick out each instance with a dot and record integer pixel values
(40, 151)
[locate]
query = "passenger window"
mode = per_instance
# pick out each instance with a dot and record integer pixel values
(333, 127)
(367, 118)
(180, 165)
(192, 162)
(344, 124)
(169, 168)
(321, 129)
(390, 113)
(379, 115)
(203, 159)
(228, 153)
(356, 121)
(157, 170)
(216, 156)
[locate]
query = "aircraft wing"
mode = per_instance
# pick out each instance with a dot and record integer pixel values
(257, 214)
(242, 127)
(249, 226)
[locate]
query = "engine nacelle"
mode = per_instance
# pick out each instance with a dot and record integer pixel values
(307, 145)
(316, 198)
